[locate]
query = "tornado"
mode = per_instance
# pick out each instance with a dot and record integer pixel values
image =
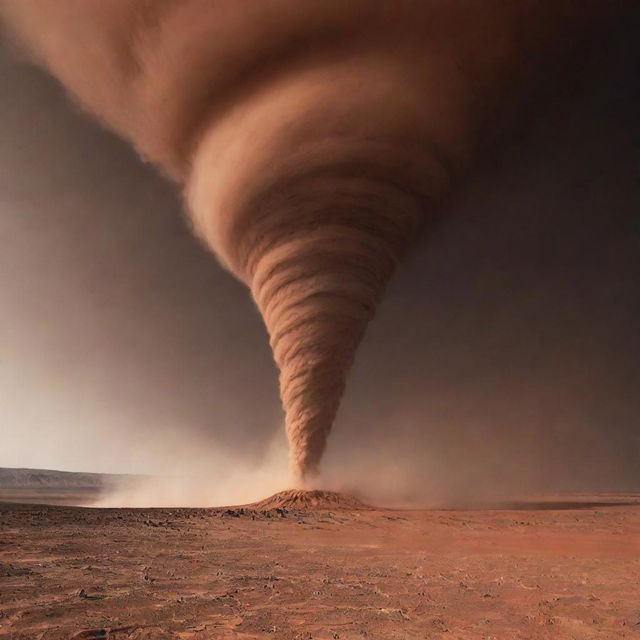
(312, 140)
(313, 210)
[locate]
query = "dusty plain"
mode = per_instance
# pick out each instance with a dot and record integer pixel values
(564, 567)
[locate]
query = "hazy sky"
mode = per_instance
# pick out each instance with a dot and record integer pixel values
(507, 346)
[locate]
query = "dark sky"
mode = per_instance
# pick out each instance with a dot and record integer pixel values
(506, 351)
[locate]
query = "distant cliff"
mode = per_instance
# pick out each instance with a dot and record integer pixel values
(45, 486)
(48, 479)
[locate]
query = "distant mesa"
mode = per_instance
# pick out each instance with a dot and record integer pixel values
(315, 499)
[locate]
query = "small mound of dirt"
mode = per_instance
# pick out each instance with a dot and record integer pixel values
(311, 500)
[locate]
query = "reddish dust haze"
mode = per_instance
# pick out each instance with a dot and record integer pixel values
(312, 143)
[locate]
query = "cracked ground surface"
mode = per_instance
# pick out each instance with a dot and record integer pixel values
(564, 568)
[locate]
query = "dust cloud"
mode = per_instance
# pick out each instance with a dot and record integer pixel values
(211, 477)
(312, 145)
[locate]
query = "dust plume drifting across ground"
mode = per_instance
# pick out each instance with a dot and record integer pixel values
(209, 480)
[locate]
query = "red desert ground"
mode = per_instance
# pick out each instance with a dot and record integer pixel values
(314, 564)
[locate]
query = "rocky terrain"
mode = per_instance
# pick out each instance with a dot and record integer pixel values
(319, 565)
